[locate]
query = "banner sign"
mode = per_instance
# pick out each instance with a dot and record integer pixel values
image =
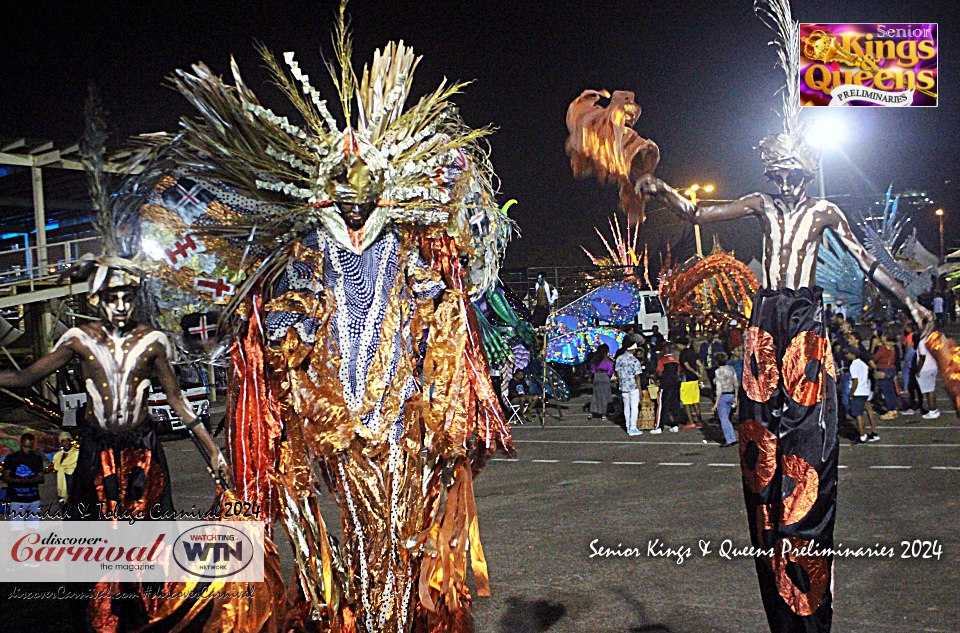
(140, 551)
(868, 65)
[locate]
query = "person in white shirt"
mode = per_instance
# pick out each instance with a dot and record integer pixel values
(938, 309)
(628, 370)
(727, 390)
(927, 380)
(860, 394)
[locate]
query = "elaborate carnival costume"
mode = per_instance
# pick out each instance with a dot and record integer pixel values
(346, 249)
(788, 436)
(121, 470)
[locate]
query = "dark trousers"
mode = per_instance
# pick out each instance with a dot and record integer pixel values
(891, 401)
(914, 393)
(788, 456)
(671, 411)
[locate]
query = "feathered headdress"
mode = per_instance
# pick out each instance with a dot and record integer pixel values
(120, 262)
(420, 165)
(788, 150)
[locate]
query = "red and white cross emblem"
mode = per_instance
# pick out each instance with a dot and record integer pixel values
(203, 329)
(182, 250)
(188, 196)
(219, 287)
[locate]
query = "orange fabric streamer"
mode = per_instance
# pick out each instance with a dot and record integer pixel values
(443, 574)
(266, 609)
(252, 441)
(477, 402)
(603, 143)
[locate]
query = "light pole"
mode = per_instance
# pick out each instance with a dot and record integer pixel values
(825, 133)
(692, 194)
(939, 213)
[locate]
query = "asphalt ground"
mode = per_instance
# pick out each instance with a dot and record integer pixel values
(578, 485)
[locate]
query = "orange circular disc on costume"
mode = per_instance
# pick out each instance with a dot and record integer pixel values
(806, 347)
(805, 492)
(758, 455)
(758, 349)
(812, 571)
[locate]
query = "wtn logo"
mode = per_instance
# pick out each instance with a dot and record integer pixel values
(221, 551)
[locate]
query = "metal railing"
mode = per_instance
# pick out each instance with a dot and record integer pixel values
(571, 282)
(25, 268)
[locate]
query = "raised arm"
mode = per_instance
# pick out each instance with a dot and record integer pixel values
(751, 204)
(163, 370)
(879, 275)
(60, 356)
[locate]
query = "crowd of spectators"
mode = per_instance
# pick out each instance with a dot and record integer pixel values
(884, 371)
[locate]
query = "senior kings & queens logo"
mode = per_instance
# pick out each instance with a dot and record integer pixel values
(868, 65)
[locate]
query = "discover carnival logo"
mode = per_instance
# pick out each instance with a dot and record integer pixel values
(868, 65)
(213, 551)
(139, 551)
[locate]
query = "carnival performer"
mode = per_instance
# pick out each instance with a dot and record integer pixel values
(788, 437)
(371, 238)
(121, 466)
(121, 470)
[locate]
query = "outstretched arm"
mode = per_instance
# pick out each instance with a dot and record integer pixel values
(879, 275)
(50, 363)
(179, 403)
(654, 187)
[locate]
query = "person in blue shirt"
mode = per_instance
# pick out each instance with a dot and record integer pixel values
(23, 474)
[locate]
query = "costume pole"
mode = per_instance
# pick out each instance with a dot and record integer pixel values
(206, 461)
(543, 382)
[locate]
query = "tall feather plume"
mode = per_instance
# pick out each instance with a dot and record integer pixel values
(92, 147)
(778, 18)
(343, 51)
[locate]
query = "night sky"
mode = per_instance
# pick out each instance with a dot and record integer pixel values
(701, 71)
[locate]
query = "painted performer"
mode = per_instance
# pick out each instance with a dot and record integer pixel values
(788, 437)
(358, 364)
(121, 467)
(121, 472)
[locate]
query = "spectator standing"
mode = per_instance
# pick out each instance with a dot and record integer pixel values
(736, 361)
(927, 380)
(545, 297)
(914, 399)
(602, 369)
(669, 409)
(734, 336)
(707, 354)
(727, 398)
(64, 463)
(885, 357)
(23, 474)
(690, 387)
(629, 372)
(657, 344)
(938, 309)
(860, 394)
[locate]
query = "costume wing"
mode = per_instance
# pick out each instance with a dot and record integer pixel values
(839, 274)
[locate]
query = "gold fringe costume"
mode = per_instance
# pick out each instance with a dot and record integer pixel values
(356, 361)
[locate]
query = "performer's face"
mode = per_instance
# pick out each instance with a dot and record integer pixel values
(790, 182)
(117, 305)
(355, 215)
